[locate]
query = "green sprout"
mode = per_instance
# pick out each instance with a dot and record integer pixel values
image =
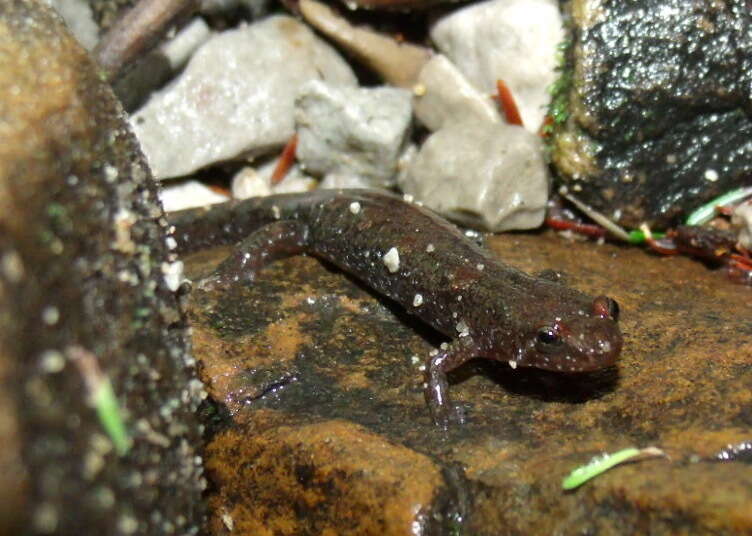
(601, 464)
(108, 411)
(102, 397)
(706, 212)
(638, 237)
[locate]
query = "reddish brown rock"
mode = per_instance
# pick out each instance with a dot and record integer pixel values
(682, 384)
(81, 253)
(278, 476)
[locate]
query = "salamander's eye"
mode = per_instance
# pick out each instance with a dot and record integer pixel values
(605, 307)
(548, 336)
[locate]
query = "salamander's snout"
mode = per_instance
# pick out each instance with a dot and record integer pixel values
(578, 344)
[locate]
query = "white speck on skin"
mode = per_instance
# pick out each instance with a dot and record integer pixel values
(355, 207)
(50, 315)
(391, 260)
(454, 314)
(408, 198)
(711, 175)
(430, 248)
(276, 212)
(480, 267)
(513, 364)
(417, 300)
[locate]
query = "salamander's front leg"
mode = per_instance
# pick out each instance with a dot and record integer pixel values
(273, 241)
(436, 386)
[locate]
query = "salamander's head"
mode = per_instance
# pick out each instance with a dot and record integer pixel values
(584, 340)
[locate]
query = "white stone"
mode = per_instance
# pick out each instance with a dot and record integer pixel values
(391, 260)
(235, 97)
(256, 181)
(511, 40)
(336, 181)
(355, 132)
(189, 194)
(484, 175)
(742, 220)
(447, 96)
(79, 19)
(161, 63)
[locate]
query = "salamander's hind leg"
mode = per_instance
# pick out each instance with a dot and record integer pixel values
(273, 241)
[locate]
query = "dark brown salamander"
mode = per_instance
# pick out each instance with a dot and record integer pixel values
(428, 266)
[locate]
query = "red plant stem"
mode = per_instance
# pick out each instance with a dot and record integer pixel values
(586, 229)
(285, 160)
(507, 104)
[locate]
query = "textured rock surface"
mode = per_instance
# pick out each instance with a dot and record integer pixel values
(490, 176)
(81, 253)
(655, 106)
(235, 97)
(511, 40)
(352, 131)
(305, 347)
(323, 477)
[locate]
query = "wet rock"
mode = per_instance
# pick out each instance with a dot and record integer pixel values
(235, 97)
(83, 302)
(305, 346)
(398, 63)
(321, 478)
(654, 107)
(514, 41)
(443, 95)
(352, 132)
(485, 175)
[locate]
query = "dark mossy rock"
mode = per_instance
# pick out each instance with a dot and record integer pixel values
(654, 107)
(329, 432)
(83, 299)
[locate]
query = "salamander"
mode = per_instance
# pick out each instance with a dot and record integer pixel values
(424, 263)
